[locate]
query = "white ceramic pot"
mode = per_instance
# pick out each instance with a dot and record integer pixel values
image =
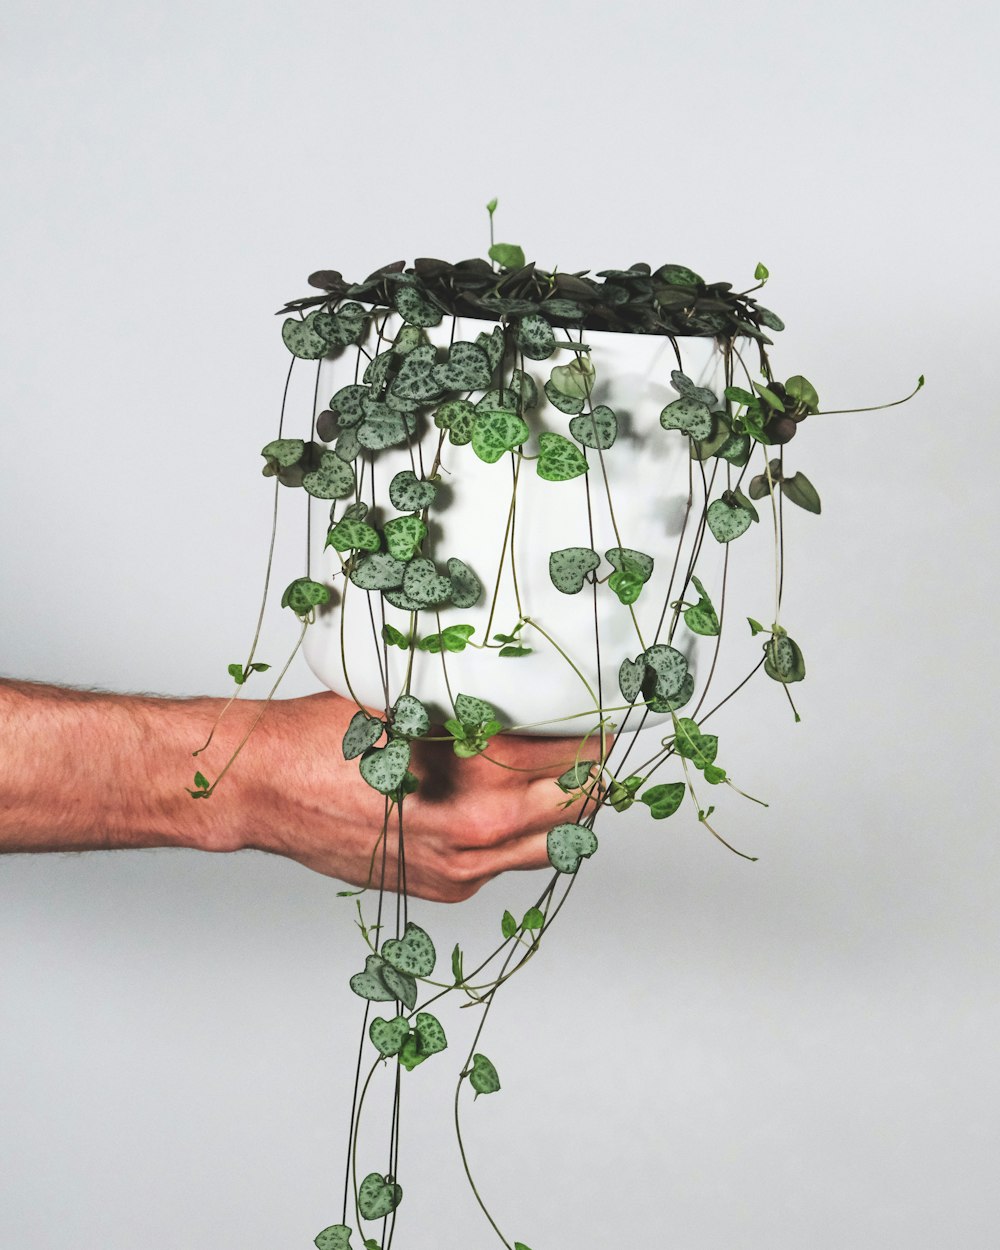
(648, 472)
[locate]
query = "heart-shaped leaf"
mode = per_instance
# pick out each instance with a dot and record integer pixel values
(689, 415)
(379, 368)
(347, 446)
(702, 617)
(451, 638)
(284, 451)
(379, 572)
(401, 984)
(378, 1196)
(668, 668)
(351, 535)
(370, 984)
(535, 338)
(343, 327)
(597, 430)
(473, 711)
(663, 800)
(466, 588)
(630, 678)
(403, 536)
(575, 380)
(388, 1036)
(336, 1237)
(507, 255)
(430, 1034)
(333, 479)
(409, 717)
(679, 275)
(483, 1076)
(363, 732)
(458, 417)
(423, 584)
(303, 595)
(727, 519)
(524, 389)
(736, 449)
(559, 459)
(627, 559)
(570, 404)
(783, 660)
(385, 429)
(492, 345)
(415, 307)
(803, 392)
(799, 490)
(567, 844)
(415, 379)
(684, 387)
(409, 493)
(348, 404)
(569, 567)
(413, 953)
(576, 777)
(303, 339)
(384, 767)
(673, 702)
(695, 746)
(497, 432)
(466, 369)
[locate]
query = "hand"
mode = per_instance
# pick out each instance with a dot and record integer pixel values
(469, 820)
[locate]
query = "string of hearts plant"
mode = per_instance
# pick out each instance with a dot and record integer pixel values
(482, 400)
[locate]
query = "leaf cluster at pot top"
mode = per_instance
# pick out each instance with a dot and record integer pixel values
(670, 299)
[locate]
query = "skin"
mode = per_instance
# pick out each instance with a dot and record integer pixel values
(81, 770)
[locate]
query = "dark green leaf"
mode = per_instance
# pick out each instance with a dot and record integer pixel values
(473, 711)
(483, 1076)
(663, 800)
(452, 638)
(353, 535)
(695, 746)
(799, 490)
(576, 777)
(303, 595)
(559, 460)
(702, 618)
(495, 433)
(394, 638)
(403, 536)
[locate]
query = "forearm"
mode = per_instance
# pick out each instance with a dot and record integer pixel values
(85, 771)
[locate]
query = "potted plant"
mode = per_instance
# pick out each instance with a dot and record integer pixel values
(534, 482)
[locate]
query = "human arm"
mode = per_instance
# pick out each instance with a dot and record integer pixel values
(82, 770)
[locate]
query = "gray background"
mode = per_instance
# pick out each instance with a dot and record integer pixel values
(798, 1052)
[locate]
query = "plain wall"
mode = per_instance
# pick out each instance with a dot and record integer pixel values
(796, 1052)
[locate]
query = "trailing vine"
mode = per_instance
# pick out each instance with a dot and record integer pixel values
(483, 397)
